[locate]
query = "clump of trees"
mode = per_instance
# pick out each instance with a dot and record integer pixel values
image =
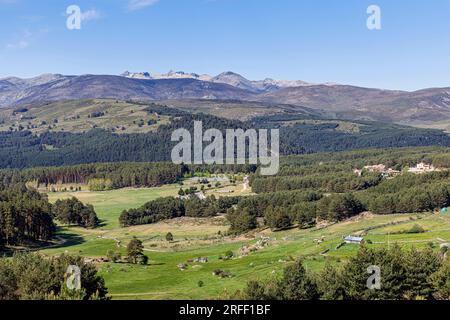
(170, 208)
(153, 211)
(276, 208)
(28, 276)
(73, 212)
(405, 275)
(25, 215)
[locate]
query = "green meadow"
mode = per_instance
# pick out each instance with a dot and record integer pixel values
(196, 237)
(110, 204)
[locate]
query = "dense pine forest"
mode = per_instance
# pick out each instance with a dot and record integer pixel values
(299, 135)
(106, 176)
(25, 217)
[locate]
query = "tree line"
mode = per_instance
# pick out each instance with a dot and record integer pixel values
(119, 174)
(106, 176)
(333, 182)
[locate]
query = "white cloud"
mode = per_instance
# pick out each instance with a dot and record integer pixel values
(90, 15)
(26, 38)
(23, 42)
(139, 4)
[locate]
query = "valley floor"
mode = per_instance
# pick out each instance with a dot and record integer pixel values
(195, 237)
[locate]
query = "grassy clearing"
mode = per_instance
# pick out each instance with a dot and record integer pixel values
(110, 204)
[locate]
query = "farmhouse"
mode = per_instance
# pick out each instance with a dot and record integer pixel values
(353, 240)
(201, 195)
(422, 168)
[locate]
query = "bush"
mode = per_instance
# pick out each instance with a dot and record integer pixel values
(169, 237)
(416, 229)
(228, 255)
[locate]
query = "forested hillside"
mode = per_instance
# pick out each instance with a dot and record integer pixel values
(299, 134)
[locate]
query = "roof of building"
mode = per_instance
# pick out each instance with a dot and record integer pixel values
(353, 238)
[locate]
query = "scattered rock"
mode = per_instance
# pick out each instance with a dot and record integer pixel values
(221, 273)
(182, 266)
(260, 244)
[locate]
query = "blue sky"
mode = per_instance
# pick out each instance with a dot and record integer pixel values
(312, 40)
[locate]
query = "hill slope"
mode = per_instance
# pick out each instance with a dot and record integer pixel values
(116, 87)
(423, 107)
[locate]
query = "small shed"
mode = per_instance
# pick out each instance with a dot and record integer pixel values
(353, 240)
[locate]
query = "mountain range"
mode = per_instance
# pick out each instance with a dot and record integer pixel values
(423, 107)
(231, 78)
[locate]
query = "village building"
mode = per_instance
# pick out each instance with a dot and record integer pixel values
(422, 168)
(201, 195)
(353, 240)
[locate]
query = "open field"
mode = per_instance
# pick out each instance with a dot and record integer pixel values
(81, 116)
(110, 204)
(196, 237)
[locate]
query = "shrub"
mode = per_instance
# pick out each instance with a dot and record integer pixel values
(228, 255)
(169, 237)
(416, 229)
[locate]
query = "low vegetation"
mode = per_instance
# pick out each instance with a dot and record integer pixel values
(406, 275)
